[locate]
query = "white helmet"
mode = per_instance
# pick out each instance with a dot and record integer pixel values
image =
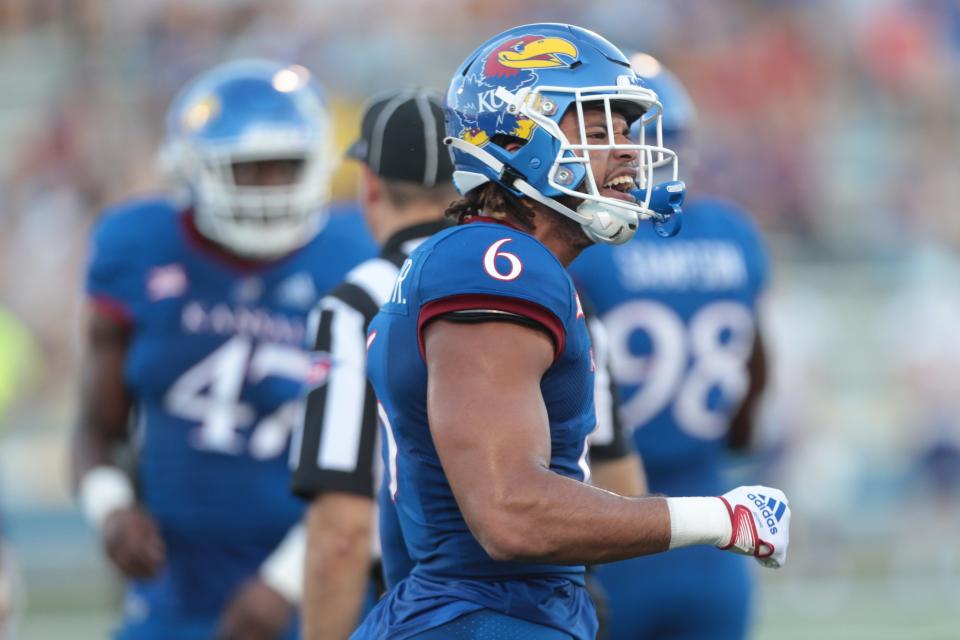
(251, 111)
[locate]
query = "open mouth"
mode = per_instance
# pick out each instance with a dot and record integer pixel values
(619, 188)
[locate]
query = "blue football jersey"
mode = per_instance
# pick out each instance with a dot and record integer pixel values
(680, 313)
(395, 559)
(215, 367)
(477, 266)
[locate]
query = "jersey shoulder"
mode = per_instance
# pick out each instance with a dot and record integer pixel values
(491, 259)
(126, 240)
(344, 237)
(135, 225)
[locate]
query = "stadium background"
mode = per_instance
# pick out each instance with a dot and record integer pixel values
(834, 122)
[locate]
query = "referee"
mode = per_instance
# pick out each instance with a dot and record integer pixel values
(404, 189)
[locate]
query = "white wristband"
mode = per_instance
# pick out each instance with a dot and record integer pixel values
(282, 571)
(699, 521)
(102, 491)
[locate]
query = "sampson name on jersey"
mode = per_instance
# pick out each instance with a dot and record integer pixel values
(215, 365)
(474, 272)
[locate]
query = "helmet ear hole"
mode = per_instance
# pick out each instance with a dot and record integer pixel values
(510, 144)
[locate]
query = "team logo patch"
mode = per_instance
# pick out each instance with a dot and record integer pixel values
(169, 281)
(201, 113)
(529, 52)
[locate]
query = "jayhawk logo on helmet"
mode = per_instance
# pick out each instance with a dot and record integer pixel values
(201, 113)
(512, 64)
(526, 53)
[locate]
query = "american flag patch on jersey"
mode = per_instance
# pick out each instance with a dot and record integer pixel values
(168, 281)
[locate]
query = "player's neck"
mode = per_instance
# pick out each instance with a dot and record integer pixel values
(562, 236)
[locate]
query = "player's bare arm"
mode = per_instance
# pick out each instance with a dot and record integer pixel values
(490, 427)
(104, 401)
(740, 435)
(129, 535)
(339, 526)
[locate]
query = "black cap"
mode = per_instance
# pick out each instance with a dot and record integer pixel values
(401, 138)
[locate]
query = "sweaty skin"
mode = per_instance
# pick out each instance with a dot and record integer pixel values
(741, 426)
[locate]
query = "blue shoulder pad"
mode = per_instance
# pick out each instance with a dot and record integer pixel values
(482, 266)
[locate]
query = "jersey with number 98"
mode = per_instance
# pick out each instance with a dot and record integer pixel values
(681, 317)
(215, 367)
(475, 272)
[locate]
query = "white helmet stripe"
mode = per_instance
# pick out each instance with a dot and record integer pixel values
(376, 146)
(429, 139)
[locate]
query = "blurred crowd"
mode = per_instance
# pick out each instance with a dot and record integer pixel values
(835, 123)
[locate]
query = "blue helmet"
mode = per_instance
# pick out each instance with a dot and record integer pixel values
(247, 111)
(679, 114)
(517, 87)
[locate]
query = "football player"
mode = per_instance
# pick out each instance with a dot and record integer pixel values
(482, 365)
(194, 357)
(688, 358)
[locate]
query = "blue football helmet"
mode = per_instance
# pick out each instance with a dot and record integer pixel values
(679, 114)
(248, 111)
(517, 87)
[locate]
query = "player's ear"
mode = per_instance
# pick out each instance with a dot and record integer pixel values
(370, 188)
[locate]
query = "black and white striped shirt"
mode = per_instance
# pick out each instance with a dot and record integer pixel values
(334, 447)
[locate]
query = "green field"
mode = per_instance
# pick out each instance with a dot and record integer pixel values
(826, 610)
